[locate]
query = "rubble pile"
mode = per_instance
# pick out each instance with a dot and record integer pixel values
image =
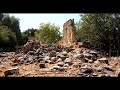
(52, 60)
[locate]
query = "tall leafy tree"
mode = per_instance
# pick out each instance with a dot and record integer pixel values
(13, 24)
(28, 33)
(7, 37)
(48, 33)
(102, 30)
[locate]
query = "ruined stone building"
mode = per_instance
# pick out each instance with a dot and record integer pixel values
(69, 33)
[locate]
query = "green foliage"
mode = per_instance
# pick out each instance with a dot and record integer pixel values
(7, 37)
(102, 30)
(13, 24)
(28, 33)
(48, 33)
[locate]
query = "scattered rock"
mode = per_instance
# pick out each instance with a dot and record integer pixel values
(76, 65)
(62, 56)
(36, 57)
(46, 58)
(30, 58)
(87, 70)
(69, 61)
(103, 60)
(108, 68)
(28, 46)
(110, 73)
(99, 69)
(53, 54)
(15, 64)
(96, 62)
(59, 60)
(42, 65)
(95, 74)
(53, 59)
(38, 51)
(79, 56)
(66, 65)
(39, 60)
(47, 61)
(64, 53)
(42, 57)
(27, 75)
(56, 67)
(51, 62)
(60, 64)
(62, 69)
(94, 53)
(11, 71)
(31, 53)
(88, 56)
(20, 58)
(90, 61)
(25, 56)
(70, 55)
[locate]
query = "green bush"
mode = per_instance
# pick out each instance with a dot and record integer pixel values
(49, 33)
(7, 37)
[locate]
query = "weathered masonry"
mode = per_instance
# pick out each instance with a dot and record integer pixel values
(69, 33)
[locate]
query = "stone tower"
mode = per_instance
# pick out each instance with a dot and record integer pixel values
(69, 33)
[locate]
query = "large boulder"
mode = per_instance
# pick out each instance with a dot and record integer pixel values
(28, 46)
(11, 71)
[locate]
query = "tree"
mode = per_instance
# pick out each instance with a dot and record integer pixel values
(48, 33)
(7, 37)
(102, 30)
(13, 24)
(77, 26)
(28, 33)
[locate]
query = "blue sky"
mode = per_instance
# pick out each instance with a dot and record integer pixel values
(33, 20)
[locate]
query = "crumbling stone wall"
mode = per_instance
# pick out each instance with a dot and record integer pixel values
(69, 33)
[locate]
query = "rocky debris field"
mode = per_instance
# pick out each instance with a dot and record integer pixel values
(54, 61)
